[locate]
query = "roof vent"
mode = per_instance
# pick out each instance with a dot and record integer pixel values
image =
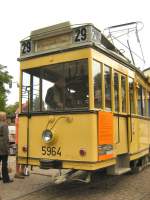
(51, 31)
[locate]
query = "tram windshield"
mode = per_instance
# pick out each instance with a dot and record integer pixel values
(58, 87)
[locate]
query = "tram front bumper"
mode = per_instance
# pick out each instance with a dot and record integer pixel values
(50, 164)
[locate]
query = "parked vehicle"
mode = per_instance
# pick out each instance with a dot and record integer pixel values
(12, 140)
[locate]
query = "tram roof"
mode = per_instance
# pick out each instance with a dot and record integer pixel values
(68, 37)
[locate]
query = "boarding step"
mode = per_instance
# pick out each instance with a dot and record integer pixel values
(117, 170)
(121, 171)
(122, 165)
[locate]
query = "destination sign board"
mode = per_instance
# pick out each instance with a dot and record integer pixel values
(77, 36)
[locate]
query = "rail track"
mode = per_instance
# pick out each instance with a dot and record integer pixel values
(103, 187)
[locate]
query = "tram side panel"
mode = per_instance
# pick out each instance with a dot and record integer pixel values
(140, 136)
(82, 138)
(120, 135)
(93, 135)
(22, 136)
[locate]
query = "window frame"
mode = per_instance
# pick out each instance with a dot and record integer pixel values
(148, 103)
(116, 72)
(130, 110)
(126, 92)
(101, 79)
(30, 108)
(141, 100)
(110, 70)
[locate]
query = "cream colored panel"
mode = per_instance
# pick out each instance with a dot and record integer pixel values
(140, 135)
(121, 140)
(71, 132)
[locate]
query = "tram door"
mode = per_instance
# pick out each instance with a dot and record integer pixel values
(121, 134)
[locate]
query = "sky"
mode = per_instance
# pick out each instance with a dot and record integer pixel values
(19, 17)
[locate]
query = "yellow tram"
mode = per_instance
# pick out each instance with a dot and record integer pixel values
(83, 105)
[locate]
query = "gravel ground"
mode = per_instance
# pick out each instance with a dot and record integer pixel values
(102, 187)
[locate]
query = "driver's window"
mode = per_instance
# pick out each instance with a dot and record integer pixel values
(36, 94)
(25, 91)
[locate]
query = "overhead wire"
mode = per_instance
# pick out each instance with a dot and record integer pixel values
(128, 30)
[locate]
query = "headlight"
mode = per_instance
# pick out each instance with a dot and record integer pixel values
(47, 136)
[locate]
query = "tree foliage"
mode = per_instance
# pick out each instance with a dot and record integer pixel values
(11, 109)
(5, 78)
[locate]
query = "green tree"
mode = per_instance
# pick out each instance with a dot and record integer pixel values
(5, 78)
(11, 109)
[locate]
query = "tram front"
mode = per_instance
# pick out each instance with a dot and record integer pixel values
(55, 123)
(58, 125)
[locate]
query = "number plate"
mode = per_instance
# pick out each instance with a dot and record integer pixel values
(51, 151)
(80, 34)
(26, 47)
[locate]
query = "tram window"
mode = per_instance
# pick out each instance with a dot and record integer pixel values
(70, 86)
(59, 87)
(141, 101)
(131, 94)
(107, 78)
(123, 93)
(97, 76)
(149, 104)
(140, 106)
(45, 86)
(144, 101)
(116, 91)
(25, 91)
(36, 94)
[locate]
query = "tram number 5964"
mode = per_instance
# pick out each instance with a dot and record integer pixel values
(80, 34)
(51, 151)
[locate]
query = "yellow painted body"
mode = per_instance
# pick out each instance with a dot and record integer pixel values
(140, 135)
(73, 132)
(121, 137)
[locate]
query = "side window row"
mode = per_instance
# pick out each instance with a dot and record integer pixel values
(105, 82)
(143, 101)
(103, 79)
(102, 76)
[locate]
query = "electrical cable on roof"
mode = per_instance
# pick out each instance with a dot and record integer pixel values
(136, 27)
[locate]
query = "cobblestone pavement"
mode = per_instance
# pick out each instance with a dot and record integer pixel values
(102, 187)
